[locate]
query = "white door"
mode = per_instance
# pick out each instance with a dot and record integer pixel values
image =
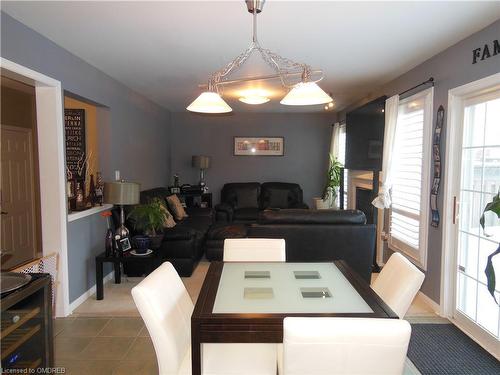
(477, 146)
(18, 235)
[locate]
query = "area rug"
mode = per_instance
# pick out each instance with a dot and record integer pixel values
(442, 349)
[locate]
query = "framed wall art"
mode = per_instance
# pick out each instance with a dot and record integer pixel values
(259, 146)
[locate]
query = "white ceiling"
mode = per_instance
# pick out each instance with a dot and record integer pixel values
(164, 50)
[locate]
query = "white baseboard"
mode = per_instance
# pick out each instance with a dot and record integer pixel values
(77, 302)
(435, 306)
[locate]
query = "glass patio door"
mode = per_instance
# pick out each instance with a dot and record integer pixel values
(479, 182)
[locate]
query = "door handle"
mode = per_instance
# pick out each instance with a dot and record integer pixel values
(4, 213)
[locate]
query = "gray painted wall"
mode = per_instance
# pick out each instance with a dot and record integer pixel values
(307, 141)
(134, 140)
(86, 240)
(450, 68)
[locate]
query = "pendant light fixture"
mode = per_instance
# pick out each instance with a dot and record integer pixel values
(304, 92)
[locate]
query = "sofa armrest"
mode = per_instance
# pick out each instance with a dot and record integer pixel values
(300, 205)
(224, 210)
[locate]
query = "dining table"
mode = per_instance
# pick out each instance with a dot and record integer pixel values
(246, 302)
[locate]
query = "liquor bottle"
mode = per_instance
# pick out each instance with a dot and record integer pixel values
(109, 243)
(99, 189)
(80, 204)
(92, 193)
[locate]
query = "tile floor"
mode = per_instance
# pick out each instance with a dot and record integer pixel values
(108, 337)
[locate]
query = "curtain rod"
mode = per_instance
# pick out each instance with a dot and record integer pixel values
(430, 80)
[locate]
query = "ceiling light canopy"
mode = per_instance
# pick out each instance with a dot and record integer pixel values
(303, 92)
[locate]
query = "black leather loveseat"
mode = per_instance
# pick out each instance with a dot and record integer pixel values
(310, 236)
(242, 202)
(182, 245)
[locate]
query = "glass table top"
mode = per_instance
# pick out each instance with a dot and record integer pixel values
(286, 288)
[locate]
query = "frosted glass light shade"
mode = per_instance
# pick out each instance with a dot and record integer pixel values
(209, 102)
(254, 100)
(306, 93)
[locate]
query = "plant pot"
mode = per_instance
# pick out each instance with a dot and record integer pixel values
(156, 241)
(321, 204)
(142, 243)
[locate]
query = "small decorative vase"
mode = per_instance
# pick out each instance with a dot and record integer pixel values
(142, 244)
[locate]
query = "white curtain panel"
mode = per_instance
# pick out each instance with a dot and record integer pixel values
(383, 200)
(334, 145)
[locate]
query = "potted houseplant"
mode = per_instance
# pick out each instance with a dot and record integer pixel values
(331, 190)
(150, 219)
(493, 206)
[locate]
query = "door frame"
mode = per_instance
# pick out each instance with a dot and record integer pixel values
(51, 159)
(456, 98)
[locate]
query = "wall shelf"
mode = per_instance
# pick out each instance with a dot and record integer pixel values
(91, 211)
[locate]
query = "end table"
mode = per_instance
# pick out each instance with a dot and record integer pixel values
(152, 261)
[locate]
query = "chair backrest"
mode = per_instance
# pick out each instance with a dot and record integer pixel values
(398, 283)
(318, 346)
(166, 308)
(254, 250)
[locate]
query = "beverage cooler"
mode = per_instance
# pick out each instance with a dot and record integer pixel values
(26, 321)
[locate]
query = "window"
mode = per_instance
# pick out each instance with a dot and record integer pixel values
(410, 190)
(342, 143)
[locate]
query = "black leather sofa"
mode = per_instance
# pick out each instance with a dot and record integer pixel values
(310, 235)
(242, 202)
(183, 244)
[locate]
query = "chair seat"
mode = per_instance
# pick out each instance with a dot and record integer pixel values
(234, 359)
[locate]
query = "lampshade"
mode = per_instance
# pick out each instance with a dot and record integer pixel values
(254, 100)
(120, 192)
(209, 102)
(306, 93)
(201, 161)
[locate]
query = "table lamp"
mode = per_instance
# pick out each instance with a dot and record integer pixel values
(201, 162)
(121, 193)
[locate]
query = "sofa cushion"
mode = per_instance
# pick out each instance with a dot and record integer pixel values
(246, 214)
(278, 198)
(200, 224)
(247, 197)
(179, 232)
(175, 206)
(304, 216)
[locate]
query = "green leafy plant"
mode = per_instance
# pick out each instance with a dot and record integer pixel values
(493, 206)
(149, 217)
(332, 179)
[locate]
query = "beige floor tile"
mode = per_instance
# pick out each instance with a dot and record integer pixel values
(142, 349)
(70, 347)
(85, 367)
(60, 323)
(144, 332)
(107, 348)
(122, 327)
(136, 367)
(84, 327)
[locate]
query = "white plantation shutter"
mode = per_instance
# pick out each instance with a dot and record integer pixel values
(410, 190)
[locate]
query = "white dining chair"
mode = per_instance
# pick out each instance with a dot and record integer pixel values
(398, 283)
(166, 308)
(254, 250)
(347, 346)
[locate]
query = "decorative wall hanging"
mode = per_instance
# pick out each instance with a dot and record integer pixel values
(74, 125)
(436, 157)
(297, 77)
(262, 146)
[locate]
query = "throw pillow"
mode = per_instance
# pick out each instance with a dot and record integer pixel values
(278, 198)
(169, 219)
(247, 198)
(175, 206)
